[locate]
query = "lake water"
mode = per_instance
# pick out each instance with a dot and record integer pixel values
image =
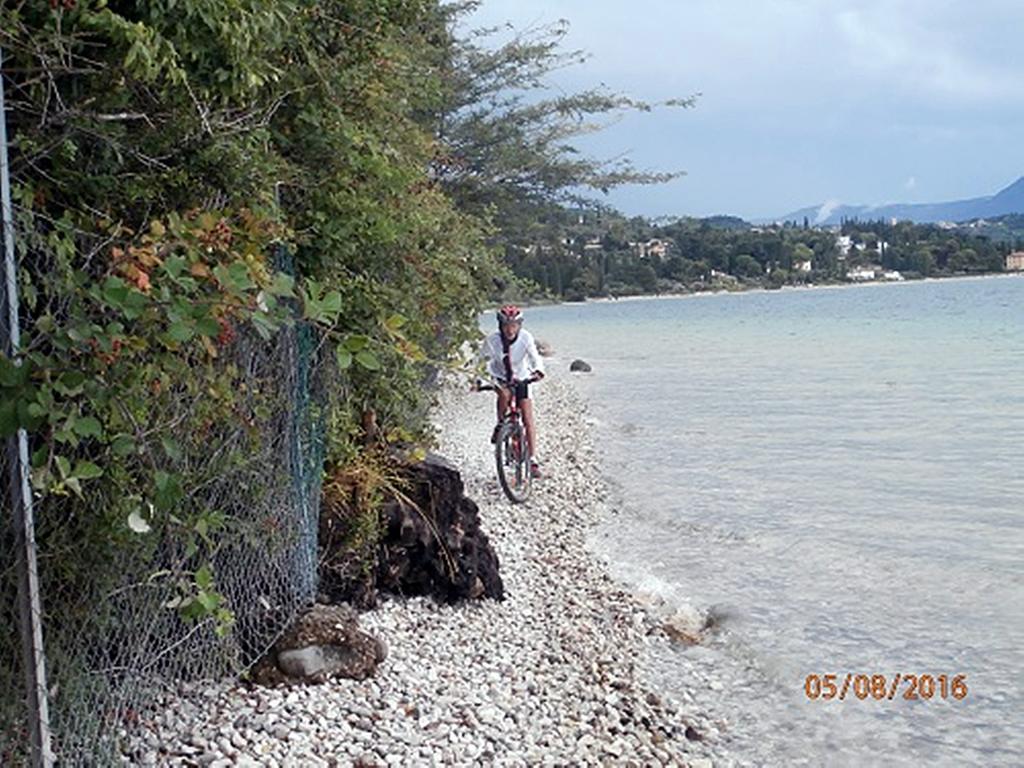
(840, 472)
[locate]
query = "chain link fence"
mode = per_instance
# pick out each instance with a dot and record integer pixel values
(112, 624)
(14, 709)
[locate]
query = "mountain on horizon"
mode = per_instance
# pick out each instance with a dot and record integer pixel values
(1007, 200)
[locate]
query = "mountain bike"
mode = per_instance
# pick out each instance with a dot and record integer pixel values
(511, 449)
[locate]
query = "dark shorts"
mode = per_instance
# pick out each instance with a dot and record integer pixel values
(522, 391)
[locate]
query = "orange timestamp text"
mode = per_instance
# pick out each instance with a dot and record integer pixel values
(885, 687)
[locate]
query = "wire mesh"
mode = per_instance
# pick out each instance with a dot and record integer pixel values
(113, 631)
(14, 715)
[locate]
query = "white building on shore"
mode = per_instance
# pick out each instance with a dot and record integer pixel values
(863, 272)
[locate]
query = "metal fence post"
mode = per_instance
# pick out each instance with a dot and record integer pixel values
(302, 444)
(30, 608)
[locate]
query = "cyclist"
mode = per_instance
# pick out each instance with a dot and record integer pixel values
(512, 359)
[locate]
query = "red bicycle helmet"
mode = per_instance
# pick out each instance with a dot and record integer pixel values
(510, 313)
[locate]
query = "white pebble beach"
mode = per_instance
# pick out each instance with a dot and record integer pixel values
(552, 675)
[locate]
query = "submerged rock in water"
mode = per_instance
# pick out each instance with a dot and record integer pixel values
(688, 625)
(544, 348)
(580, 366)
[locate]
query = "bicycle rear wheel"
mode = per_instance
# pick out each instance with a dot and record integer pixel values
(512, 458)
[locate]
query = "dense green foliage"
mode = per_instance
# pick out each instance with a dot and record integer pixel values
(166, 157)
(508, 134)
(579, 252)
(1000, 229)
(928, 250)
(195, 177)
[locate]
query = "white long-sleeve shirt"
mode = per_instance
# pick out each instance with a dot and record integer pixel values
(523, 356)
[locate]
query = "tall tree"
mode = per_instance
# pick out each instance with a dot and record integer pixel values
(507, 136)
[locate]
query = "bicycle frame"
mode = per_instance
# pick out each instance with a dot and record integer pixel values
(512, 409)
(512, 450)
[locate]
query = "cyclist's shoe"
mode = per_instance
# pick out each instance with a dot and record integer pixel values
(495, 433)
(535, 470)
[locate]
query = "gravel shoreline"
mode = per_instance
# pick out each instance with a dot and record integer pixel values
(549, 676)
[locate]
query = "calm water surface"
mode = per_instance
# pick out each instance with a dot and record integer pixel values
(841, 472)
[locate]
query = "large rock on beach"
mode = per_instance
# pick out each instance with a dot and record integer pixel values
(433, 543)
(430, 543)
(580, 366)
(323, 643)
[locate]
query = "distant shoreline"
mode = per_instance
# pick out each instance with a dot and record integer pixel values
(758, 290)
(783, 289)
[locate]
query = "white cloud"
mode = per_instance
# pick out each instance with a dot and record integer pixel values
(792, 89)
(907, 46)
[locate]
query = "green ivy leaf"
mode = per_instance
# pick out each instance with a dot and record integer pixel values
(264, 326)
(208, 327)
(225, 619)
(204, 577)
(72, 382)
(86, 470)
(368, 360)
(174, 266)
(8, 418)
(123, 445)
(209, 600)
(80, 332)
(27, 417)
(115, 292)
(240, 279)
(356, 342)
(74, 485)
(39, 457)
(344, 358)
(135, 304)
(282, 285)
(331, 304)
(171, 448)
(190, 609)
(168, 490)
(88, 426)
(46, 324)
(180, 331)
(10, 376)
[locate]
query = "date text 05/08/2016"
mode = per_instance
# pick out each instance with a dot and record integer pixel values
(885, 687)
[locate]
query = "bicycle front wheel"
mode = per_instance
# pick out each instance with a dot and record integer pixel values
(512, 457)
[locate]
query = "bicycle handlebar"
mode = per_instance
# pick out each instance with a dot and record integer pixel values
(495, 386)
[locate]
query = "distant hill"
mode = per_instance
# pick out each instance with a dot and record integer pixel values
(725, 222)
(1001, 229)
(1008, 200)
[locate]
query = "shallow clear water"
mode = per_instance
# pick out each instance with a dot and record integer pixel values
(841, 471)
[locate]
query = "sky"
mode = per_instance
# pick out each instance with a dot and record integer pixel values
(802, 102)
